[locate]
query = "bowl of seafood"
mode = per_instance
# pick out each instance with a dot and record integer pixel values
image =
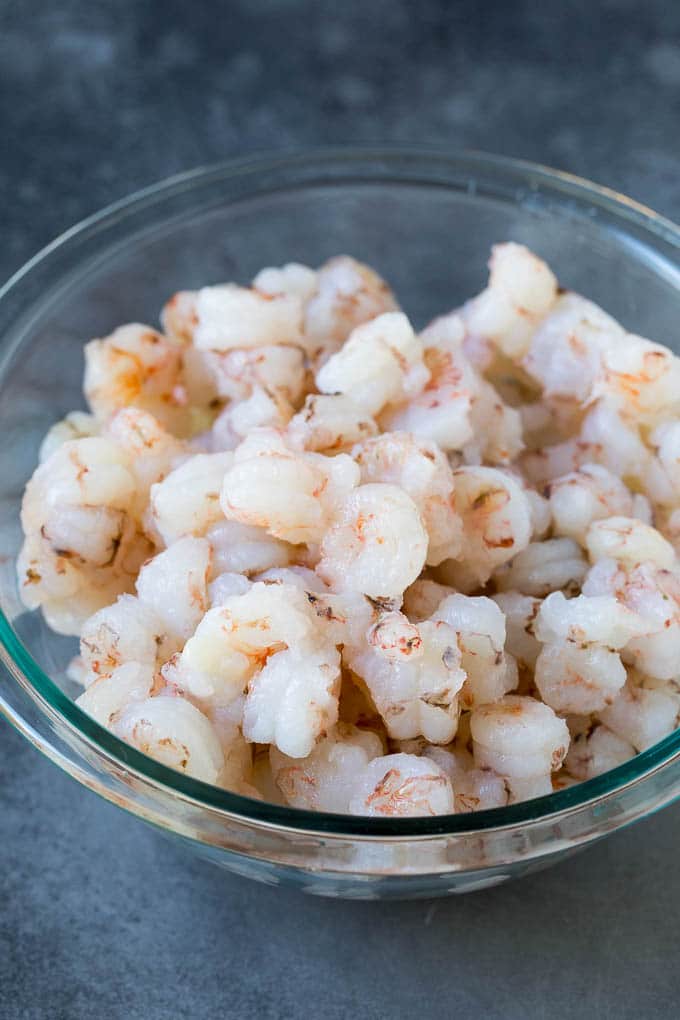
(340, 516)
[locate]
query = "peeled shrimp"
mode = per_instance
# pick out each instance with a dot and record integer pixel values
(566, 352)
(380, 363)
(654, 595)
(422, 599)
(187, 501)
(401, 785)
(76, 425)
(581, 497)
(542, 567)
(441, 411)
(521, 290)
(496, 522)
(521, 740)
(596, 751)
(348, 293)
(480, 626)
(586, 619)
(325, 780)
(174, 585)
(111, 693)
(474, 789)
(137, 366)
(520, 613)
(126, 631)
(79, 549)
(293, 278)
(420, 468)
(377, 544)
(175, 733)
(578, 678)
(293, 700)
(330, 423)
(246, 549)
(230, 317)
(293, 495)
(275, 368)
(628, 541)
(414, 676)
(644, 712)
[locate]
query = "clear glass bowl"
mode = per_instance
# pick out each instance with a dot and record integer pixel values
(426, 221)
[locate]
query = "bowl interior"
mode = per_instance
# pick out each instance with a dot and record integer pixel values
(427, 226)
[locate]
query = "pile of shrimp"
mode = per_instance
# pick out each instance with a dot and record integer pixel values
(320, 559)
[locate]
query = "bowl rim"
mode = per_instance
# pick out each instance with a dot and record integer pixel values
(51, 700)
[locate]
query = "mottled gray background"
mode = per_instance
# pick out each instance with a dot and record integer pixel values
(98, 916)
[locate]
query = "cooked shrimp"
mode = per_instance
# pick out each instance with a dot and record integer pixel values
(276, 532)
(541, 516)
(376, 544)
(325, 780)
(520, 739)
(566, 352)
(414, 685)
(293, 700)
(554, 565)
(578, 678)
(581, 497)
(586, 619)
(474, 789)
(178, 317)
(136, 366)
(301, 577)
(596, 751)
(420, 468)
(174, 585)
(235, 639)
(348, 294)
(654, 595)
(380, 363)
(293, 495)
(80, 541)
(401, 785)
(628, 541)
(521, 290)
(246, 549)
(127, 631)
(644, 712)
(642, 379)
(666, 440)
(151, 450)
(276, 369)
(187, 501)
(497, 428)
(262, 409)
(293, 278)
(480, 626)
(496, 522)
(228, 316)
(175, 733)
(422, 599)
(111, 693)
(520, 613)
(330, 424)
(76, 425)
(225, 585)
(395, 638)
(441, 411)
(604, 438)
(236, 773)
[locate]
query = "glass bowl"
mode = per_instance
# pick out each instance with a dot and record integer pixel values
(426, 220)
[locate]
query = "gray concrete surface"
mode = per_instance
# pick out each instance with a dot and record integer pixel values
(99, 917)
